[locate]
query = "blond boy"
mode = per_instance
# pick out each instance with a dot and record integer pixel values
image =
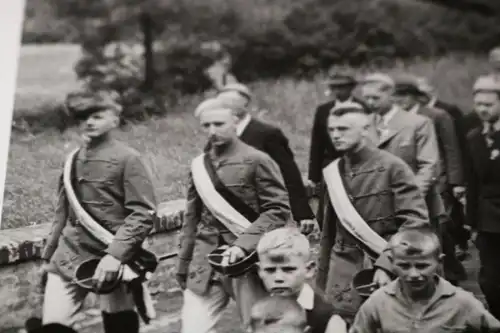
(285, 266)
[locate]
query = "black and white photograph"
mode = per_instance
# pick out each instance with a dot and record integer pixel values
(250, 166)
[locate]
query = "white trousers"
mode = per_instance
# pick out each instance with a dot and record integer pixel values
(201, 313)
(63, 300)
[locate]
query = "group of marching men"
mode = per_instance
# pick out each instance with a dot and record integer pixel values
(392, 168)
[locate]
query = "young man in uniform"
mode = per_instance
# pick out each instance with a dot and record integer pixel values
(236, 193)
(371, 194)
(483, 192)
(322, 152)
(271, 140)
(285, 268)
(115, 187)
(419, 300)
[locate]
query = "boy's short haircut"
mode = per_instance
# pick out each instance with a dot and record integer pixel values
(279, 329)
(421, 240)
(277, 310)
(289, 238)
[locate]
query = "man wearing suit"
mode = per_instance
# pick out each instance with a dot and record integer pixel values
(451, 179)
(429, 98)
(483, 192)
(322, 151)
(255, 185)
(271, 140)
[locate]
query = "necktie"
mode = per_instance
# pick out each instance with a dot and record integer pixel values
(488, 135)
(380, 125)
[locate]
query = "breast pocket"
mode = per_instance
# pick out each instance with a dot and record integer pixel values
(100, 172)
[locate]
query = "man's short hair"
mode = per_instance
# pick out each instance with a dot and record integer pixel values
(277, 310)
(216, 103)
(414, 241)
(288, 238)
(343, 108)
(385, 81)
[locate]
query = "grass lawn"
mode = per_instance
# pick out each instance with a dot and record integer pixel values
(171, 142)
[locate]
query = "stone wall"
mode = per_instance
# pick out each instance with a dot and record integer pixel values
(20, 251)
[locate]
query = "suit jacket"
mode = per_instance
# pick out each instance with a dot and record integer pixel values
(322, 151)
(449, 149)
(272, 141)
(483, 191)
(412, 138)
(384, 191)
(256, 179)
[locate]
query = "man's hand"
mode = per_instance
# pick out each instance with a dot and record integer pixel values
(310, 187)
(231, 255)
(381, 278)
(307, 226)
(459, 194)
(107, 270)
(42, 278)
(181, 280)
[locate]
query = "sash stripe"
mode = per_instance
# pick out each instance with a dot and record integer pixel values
(371, 242)
(214, 201)
(227, 194)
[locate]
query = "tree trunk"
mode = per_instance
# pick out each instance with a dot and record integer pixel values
(146, 24)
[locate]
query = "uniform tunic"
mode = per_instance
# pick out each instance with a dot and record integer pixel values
(114, 186)
(385, 193)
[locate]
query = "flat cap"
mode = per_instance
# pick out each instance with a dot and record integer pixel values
(340, 80)
(486, 83)
(379, 78)
(425, 86)
(216, 103)
(84, 102)
(237, 87)
(407, 85)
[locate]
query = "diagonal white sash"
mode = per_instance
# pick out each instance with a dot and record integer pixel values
(347, 214)
(216, 204)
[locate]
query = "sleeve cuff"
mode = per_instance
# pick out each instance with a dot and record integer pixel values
(118, 252)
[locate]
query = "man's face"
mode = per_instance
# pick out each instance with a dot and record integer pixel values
(347, 131)
(376, 97)
(284, 273)
(99, 123)
(339, 92)
(416, 272)
(487, 106)
(219, 125)
(406, 101)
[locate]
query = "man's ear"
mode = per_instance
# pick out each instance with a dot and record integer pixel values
(311, 268)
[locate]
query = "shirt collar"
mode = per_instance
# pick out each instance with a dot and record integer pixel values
(306, 297)
(243, 124)
(432, 102)
(443, 288)
(414, 109)
(388, 116)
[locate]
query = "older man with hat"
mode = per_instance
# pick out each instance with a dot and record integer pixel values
(110, 182)
(430, 99)
(483, 192)
(322, 152)
(271, 140)
(451, 181)
(235, 194)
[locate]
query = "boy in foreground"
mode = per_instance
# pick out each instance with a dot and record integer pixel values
(419, 300)
(285, 266)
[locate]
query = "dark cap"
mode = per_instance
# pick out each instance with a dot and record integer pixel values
(408, 86)
(341, 80)
(82, 103)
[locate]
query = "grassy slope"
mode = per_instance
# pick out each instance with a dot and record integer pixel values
(171, 142)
